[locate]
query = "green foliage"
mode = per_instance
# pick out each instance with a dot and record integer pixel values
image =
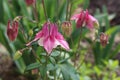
(60, 64)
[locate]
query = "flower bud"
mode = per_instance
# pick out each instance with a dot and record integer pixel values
(103, 39)
(30, 2)
(17, 55)
(30, 32)
(96, 25)
(12, 30)
(35, 71)
(66, 28)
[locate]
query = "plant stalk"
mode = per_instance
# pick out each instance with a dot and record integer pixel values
(67, 9)
(44, 9)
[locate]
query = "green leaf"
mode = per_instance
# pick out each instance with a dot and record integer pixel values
(64, 60)
(1, 11)
(23, 8)
(33, 66)
(52, 60)
(55, 53)
(86, 4)
(69, 72)
(7, 9)
(51, 67)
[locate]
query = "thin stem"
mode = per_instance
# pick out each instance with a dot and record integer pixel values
(24, 49)
(46, 67)
(32, 21)
(72, 40)
(55, 75)
(23, 32)
(44, 9)
(35, 12)
(80, 64)
(67, 9)
(78, 46)
(79, 39)
(70, 11)
(57, 7)
(35, 55)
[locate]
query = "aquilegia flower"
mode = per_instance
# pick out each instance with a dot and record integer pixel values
(12, 30)
(84, 18)
(30, 2)
(103, 39)
(50, 38)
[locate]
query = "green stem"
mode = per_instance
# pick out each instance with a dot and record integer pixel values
(35, 12)
(37, 57)
(57, 7)
(79, 39)
(23, 32)
(55, 75)
(44, 9)
(80, 64)
(32, 21)
(46, 78)
(70, 10)
(78, 46)
(72, 41)
(67, 9)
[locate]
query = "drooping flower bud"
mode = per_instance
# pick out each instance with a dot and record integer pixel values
(17, 55)
(103, 39)
(66, 28)
(30, 2)
(12, 30)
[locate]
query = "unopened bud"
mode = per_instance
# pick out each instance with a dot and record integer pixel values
(35, 71)
(67, 28)
(30, 32)
(17, 19)
(17, 55)
(104, 39)
(96, 25)
(30, 2)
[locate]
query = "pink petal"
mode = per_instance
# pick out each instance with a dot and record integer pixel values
(40, 34)
(53, 29)
(74, 17)
(81, 20)
(40, 41)
(49, 43)
(90, 21)
(60, 41)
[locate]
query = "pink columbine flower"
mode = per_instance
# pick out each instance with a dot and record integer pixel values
(84, 18)
(30, 2)
(12, 30)
(50, 38)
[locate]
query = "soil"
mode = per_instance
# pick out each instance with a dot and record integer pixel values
(112, 7)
